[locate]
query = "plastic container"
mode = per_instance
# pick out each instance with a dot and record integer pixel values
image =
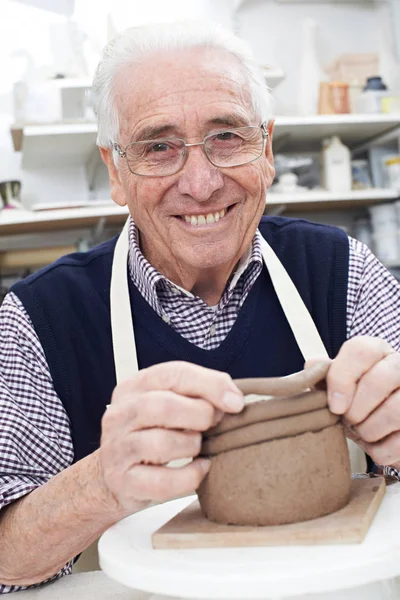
(392, 166)
(336, 166)
(340, 97)
(360, 174)
(383, 218)
(370, 99)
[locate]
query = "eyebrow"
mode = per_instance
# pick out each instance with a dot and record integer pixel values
(229, 120)
(152, 132)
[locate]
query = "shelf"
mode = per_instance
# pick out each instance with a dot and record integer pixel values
(54, 145)
(294, 134)
(32, 258)
(322, 200)
(65, 144)
(15, 221)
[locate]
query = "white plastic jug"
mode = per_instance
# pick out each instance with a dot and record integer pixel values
(336, 166)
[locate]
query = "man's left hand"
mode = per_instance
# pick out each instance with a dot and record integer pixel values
(364, 386)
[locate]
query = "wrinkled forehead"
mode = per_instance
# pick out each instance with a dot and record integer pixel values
(195, 77)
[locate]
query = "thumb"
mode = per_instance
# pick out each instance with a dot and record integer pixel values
(316, 360)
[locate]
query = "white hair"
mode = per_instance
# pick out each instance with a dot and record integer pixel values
(135, 43)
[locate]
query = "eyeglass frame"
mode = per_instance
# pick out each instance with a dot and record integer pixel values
(123, 154)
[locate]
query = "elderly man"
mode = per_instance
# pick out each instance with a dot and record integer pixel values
(195, 292)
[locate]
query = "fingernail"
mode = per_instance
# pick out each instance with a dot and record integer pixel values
(232, 401)
(235, 389)
(338, 403)
(218, 414)
(204, 464)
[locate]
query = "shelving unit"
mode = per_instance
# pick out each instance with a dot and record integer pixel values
(306, 133)
(72, 143)
(322, 200)
(29, 222)
(54, 145)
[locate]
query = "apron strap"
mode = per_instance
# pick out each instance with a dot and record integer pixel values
(123, 336)
(300, 320)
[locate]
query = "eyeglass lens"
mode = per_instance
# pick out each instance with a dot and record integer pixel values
(224, 149)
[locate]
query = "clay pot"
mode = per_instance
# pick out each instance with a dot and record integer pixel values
(283, 459)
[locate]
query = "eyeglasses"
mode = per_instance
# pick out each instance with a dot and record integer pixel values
(163, 157)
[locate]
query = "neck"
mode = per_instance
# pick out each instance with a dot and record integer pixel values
(209, 285)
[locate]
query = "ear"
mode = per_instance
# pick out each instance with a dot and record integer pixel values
(268, 150)
(116, 188)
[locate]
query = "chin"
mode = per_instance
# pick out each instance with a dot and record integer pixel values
(211, 259)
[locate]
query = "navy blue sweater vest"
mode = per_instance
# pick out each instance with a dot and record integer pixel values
(68, 303)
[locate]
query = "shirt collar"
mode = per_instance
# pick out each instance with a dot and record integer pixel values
(146, 277)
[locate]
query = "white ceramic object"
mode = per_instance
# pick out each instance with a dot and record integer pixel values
(310, 73)
(126, 555)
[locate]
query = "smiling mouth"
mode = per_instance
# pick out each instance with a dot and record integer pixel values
(207, 218)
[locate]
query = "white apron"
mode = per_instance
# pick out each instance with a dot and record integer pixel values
(300, 321)
(123, 338)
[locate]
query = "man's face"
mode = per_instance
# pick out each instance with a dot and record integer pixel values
(189, 94)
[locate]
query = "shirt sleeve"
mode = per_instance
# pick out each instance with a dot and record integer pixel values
(35, 437)
(373, 297)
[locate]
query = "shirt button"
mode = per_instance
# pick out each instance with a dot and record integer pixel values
(165, 318)
(212, 329)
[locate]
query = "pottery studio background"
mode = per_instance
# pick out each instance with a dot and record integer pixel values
(334, 70)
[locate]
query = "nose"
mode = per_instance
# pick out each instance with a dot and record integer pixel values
(199, 178)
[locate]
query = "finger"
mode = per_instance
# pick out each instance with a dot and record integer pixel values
(311, 362)
(382, 422)
(374, 387)
(187, 379)
(149, 446)
(356, 357)
(159, 446)
(162, 483)
(160, 409)
(386, 451)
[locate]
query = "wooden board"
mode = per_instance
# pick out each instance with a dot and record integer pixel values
(190, 529)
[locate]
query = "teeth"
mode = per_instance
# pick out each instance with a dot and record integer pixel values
(203, 219)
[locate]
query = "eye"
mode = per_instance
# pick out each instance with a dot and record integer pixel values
(159, 147)
(226, 136)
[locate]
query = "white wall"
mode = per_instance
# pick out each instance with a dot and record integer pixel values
(43, 43)
(272, 29)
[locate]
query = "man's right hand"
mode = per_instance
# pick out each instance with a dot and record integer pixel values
(154, 418)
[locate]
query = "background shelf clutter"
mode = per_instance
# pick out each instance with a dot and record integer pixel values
(336, 131)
